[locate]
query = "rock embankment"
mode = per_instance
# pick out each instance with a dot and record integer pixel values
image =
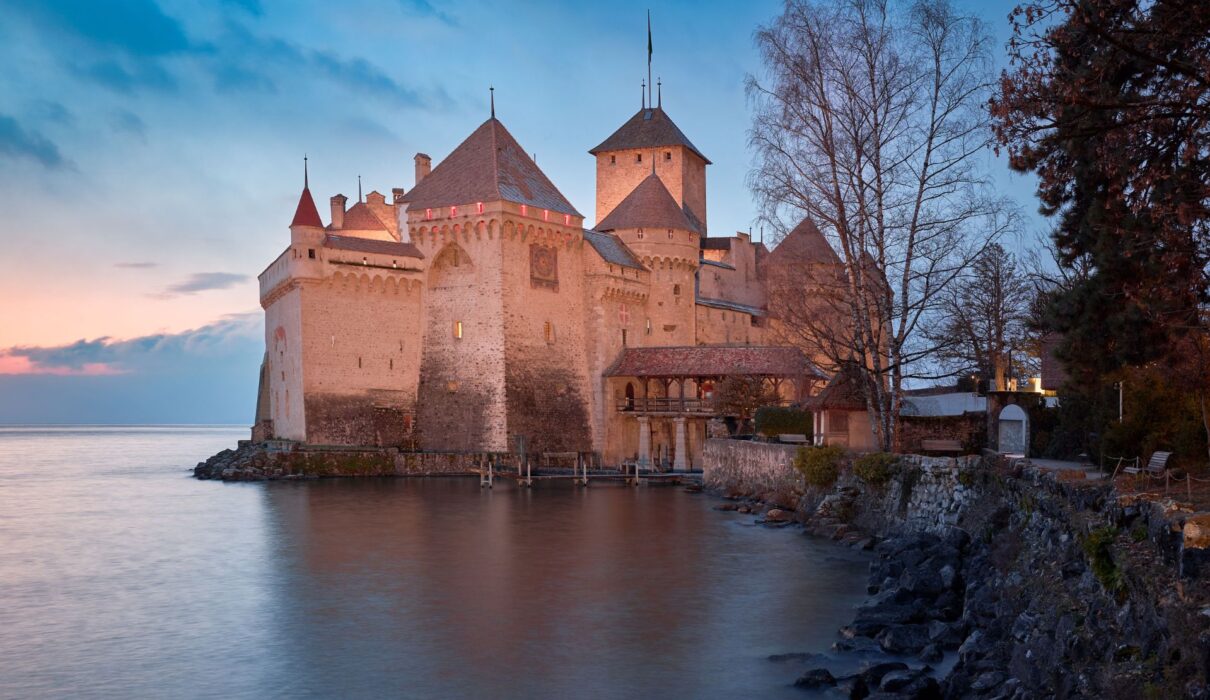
(255, 461)
(1018, 582)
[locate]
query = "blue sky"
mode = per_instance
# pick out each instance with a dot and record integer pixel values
(150, 154)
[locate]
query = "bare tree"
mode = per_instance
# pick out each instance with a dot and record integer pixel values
(869, 120)
(985, 320)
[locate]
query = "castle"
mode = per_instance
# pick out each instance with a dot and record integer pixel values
(475, 312)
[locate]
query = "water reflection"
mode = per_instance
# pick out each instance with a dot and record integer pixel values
(438, 588)
(122, 577)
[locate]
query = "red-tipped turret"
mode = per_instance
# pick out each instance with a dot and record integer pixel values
(306, 214)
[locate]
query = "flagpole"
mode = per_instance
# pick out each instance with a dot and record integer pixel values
(649, 57)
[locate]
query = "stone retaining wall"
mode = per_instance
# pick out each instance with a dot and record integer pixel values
(260, 461)
(750, 467)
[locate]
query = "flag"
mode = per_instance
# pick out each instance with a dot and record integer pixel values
(648, 37)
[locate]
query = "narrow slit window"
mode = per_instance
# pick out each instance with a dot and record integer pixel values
(458, 330)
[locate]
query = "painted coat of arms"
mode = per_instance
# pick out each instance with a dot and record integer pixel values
(544, 266)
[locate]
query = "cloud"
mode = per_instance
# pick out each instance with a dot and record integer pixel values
(16, 142)
(252, 7)
(205, 375)
(109, 356)
(126, 77)
(137, 27)
(244, 61)
(51, 112)
(423, 8)
(203, 282)
(125, 121)
(135, 265)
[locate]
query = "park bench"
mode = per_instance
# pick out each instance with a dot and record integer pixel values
(793, 438)
(1156, 467)
(941, 446)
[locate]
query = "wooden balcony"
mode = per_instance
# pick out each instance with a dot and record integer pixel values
(668, 405)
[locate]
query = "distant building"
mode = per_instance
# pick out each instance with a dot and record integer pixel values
(476, 309)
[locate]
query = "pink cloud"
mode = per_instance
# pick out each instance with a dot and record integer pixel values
(21, 364)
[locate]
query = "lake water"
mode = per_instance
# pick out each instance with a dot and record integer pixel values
(122, 576)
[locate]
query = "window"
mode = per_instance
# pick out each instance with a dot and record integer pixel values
(640, 234)
(623, 337)
(669, 233)
(667, 155)
(391, 363)
(613, 160)
(638, 157)
(458, 330)
(648, 326)
(311, 253)
(548, 332)
(358, 363)
(676, 290)
(838, 421)
(479, 207)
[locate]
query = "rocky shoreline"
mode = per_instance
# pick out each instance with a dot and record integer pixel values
(1017, 584)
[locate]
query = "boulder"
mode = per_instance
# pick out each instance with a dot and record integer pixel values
(816, 678)
(873, 675)
(904, 639)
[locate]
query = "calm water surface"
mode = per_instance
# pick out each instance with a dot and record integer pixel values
(121, 576)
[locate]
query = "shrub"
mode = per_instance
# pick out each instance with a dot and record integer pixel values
(777, 420)
(1098, 548)
(875, 468)
(819, 465)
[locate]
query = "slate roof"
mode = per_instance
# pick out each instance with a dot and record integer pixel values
(730, 305)
(488, 166)
(306, 214)
(843, 392)
(370, 245)
(359, 217)
(612, 249)
(649, 205)
(712, 361)
(648, 128)
(804, 244)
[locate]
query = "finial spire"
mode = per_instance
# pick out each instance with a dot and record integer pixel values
(359, 188)
(306, 177)
(643, 90)
(492, 90)
(659, 92)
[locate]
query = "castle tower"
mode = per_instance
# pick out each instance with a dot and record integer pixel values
(625, 159)
(503, 348)
(657, 229)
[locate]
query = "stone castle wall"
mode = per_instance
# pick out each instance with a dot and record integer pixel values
(461, 383)
(361, 348)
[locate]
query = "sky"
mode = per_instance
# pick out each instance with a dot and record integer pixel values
(151, 158)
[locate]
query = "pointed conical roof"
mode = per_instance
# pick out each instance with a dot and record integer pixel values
(488, 166)
(648, 128)
(804, 244)
(359, 217)
(306, 214)
(648, 205)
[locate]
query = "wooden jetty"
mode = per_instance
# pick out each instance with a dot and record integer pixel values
(520, 469)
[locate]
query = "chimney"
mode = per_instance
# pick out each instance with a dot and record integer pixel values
(397, 195)
(424, 165)
(338, 211)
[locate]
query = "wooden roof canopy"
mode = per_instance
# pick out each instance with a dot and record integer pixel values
(713, 361)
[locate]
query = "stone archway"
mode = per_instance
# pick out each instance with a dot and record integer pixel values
(1013, 431)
